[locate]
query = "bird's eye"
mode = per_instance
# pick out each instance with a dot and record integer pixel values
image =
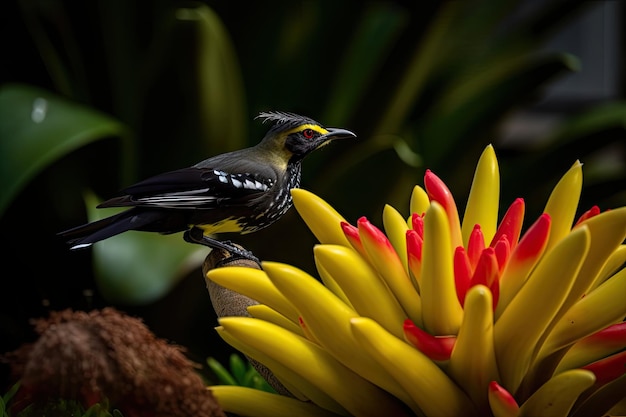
(308, 133)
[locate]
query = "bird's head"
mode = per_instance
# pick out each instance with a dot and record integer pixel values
(298, 135)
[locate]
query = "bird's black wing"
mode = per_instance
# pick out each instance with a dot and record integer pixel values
(193, 187)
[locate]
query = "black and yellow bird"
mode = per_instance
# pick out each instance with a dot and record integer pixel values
(235, 192)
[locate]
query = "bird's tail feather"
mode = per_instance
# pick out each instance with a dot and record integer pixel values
(87, 234)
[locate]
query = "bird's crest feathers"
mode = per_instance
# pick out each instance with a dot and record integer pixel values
(284, 120)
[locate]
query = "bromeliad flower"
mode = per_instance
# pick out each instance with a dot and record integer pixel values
(442, 316)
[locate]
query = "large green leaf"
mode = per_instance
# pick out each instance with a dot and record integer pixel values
(38, 127)
(137, 268)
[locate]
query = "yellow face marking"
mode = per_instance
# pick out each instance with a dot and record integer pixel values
(318, 129)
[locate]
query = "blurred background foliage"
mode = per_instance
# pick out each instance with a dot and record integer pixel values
(96, 95)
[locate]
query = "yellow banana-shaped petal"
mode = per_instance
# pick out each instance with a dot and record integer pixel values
(312, 363)
(557, 396)
(328, 319)
(441, 310)
(395, 229)
(388, 264)
(298, 387)
(250, 402)
(331, 284)
(615, 261)
(419, 202)
(608, 231)
(528, 315)
(433, 391)
(603, 306)
(473, 361)
(482, 204)
(367, 292)
(501, 402)
(264, 312)
(323, 220)
(563, 202)
(607, 400)
(522, 261)
(594, 347)
(255, 284)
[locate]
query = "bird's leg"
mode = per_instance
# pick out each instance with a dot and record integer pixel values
(196, 235)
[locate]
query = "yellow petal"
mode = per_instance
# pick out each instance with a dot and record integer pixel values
(601, 307)
(369, 295)
(473, 361)
(395, 229)
(435, 393)
(349, 390)
(557, 396)
(328, 320)
(441, 311)
(388, 264)
(255, 284)
(563, 203)
(484, 197)
(254, 402)
(419, 201)
(323, 220)
(530, 312)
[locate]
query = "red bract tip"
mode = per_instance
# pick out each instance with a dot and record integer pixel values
(414, 244)
(593, 211)
(609, 368)
(502, 250)
(511, 224)
(462, 273)
(352, 234)
(475, 245)
(437, 348)
(417, 222)
(373, 233)
(438, 191)
(613, 334)
(502, 397)
(350, 231)
(535, 239)
(488, 274)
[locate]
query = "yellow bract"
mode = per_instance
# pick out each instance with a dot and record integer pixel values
(339, 344)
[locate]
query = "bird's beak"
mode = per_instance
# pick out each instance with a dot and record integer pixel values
(334, 133)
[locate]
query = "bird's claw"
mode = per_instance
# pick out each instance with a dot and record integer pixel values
(196, 235)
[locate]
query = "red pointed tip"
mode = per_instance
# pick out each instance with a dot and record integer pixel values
(368, 231)
(488, 274)
(417, 222)
(462, 273)
(414, 243)
(511, 224)
(534, 241)
(437, 190)
(609, 368)
(475, 245)
(437, 348)
(503, 395)
(593, 211)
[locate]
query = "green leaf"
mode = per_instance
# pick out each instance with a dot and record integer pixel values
(137, 268)
(216, 77)
(238, 368)
(38, 127)
(378, 29)
(224, 377)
